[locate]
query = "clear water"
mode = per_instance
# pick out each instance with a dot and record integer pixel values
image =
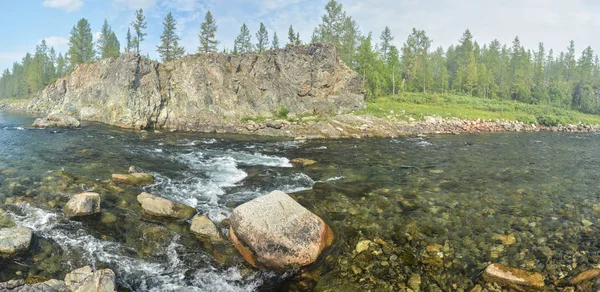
(407, 195)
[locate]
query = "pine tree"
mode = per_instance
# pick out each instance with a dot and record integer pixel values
(291, 37)
(129, 46)
(386, 41)
(262, 37)
(338, 29)
(139, 25)
(297, 39)
(208, 29)
(81, 46)
(243, 42)
(61, 67)
(108, 44)
(275, 43)
(169, 48)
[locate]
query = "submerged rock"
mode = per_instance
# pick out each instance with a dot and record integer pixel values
(133, 179)
(132, 169)
(274, 231)
(47, 286)
(585, 276)
(84, 279)
(302, 162)
(14, 240)
(203, 227)
(57, 120)
(83, 204)
(513, 278)
(158, 206)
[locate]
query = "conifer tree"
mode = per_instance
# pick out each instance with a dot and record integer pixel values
(275, 43)
(291, 37)
(243, 42)
(139, 25)
(108, 44)
(129, 46)
(169, 48)
(208, 29)
(262, 37)
(386, 42)
(81, 46)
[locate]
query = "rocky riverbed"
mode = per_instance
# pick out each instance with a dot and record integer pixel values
(421, 213)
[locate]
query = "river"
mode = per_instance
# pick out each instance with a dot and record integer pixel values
(441, 207)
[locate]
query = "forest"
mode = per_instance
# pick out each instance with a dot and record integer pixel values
(567, 80)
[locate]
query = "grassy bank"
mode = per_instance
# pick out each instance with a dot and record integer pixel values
(418, 105)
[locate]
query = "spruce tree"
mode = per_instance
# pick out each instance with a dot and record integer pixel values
(169, 48)
(275, 43)
(291, 37)
(243, 42)
(129, 46)
(208, 29)
(108, 44)
(81, 46)
(139, 25)
(262, 37)
(386, 41)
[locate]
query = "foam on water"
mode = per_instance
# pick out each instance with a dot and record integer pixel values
(140, 275)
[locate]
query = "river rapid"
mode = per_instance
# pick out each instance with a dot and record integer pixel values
(435, 209)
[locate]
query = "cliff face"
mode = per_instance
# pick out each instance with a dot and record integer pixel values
(205, 91)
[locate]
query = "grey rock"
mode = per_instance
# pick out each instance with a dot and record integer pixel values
(84, 280)
(14, 240)
(83, 204)
(206, 92)
(158, 206)
(203, 227)
(47, 286)
(57, 120)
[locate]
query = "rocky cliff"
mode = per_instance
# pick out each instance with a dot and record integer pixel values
(206, 91)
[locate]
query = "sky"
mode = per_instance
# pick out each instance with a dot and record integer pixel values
(24, 23)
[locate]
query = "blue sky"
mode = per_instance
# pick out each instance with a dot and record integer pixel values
(24, 23)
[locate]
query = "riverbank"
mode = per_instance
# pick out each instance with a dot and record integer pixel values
(389, 117)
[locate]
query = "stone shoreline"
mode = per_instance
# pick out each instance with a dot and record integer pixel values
(358, 126)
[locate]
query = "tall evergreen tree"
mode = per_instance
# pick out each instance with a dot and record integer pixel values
(208, 29)
(386, 42)
(275, 43)
(338, 29)
(139, 25)
(108, 44)
(169, 48)
(243, 42)
(130, 44)
(291, 37)
(262, 37)
(81, 46)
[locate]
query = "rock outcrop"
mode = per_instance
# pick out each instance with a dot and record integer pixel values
(204, 228)
(57, 120)
(83, 204)
(274, 231)
(14, 240)
(47, 286)
(206, 92)
(158, 206)
(513, 278)
(84, 279)
(133, 179)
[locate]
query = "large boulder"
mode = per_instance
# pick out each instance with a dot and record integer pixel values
(158, 206)
(14, 240)
(84, 280)
(513, 278)
(133, 179)
(204, 228)
(274, 231)
(57, 120)
(83, 204)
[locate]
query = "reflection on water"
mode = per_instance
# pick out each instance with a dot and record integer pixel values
(441, 207)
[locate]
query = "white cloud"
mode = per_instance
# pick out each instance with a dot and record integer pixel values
(97, 36)
(56, 41)
(136, 4)
(67, 5)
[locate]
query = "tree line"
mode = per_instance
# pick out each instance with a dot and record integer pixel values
(494, 70)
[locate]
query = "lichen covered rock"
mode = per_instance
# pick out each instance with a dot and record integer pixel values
(158, 206)
(133, 179)
(83, 204)
(84, 280)
(14, 240)
(204, 228)
(57, 120)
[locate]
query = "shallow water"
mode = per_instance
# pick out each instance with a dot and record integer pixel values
(432, 206)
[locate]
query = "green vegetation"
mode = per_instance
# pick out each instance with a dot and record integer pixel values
(419, 105)
(169, 48)
(208, 29)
